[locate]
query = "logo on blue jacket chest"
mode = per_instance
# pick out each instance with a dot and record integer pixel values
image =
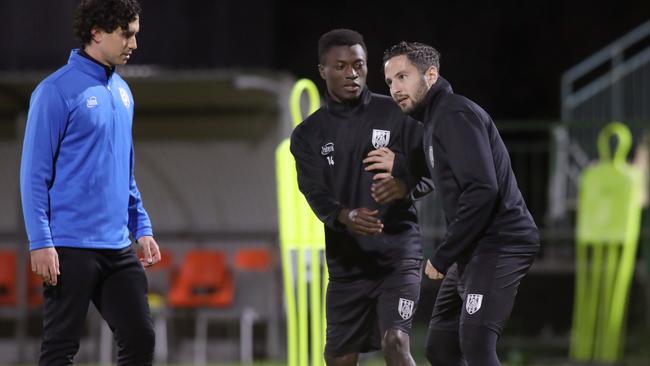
(125, 97)
(91, 102)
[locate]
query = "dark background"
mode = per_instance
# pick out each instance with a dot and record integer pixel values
(506, 55)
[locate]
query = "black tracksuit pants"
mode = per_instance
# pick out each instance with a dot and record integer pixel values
(473, 305)
(115, 281)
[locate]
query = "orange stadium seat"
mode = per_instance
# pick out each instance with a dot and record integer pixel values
(34, 288)
(204, 281)
(7, 277)
(255, 259)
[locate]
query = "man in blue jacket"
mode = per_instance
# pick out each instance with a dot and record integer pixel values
(79, 195)
(491, 238)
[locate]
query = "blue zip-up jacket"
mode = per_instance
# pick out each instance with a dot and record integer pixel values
(76, 176)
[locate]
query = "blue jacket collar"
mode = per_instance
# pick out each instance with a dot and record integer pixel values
(89, 66)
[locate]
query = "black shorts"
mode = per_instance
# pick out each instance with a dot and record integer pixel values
(480, 292)
(359, 311)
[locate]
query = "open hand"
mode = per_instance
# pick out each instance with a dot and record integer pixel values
(381, 159)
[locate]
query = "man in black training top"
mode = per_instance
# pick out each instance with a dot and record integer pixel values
(372, 236)
(491, 238)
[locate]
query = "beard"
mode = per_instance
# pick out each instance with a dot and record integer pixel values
(418, 96)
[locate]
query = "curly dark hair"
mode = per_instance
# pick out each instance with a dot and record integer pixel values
(338, 37)
(107, 15)
(421, 55)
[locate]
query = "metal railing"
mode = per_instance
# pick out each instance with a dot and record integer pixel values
(613, 84)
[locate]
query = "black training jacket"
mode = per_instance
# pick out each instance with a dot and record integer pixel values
(329, 147)
(471, 170)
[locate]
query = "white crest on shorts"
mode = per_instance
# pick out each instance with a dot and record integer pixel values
(380, 138)
(473, 303)
(405, 308)
(125, 97)
(431, 156)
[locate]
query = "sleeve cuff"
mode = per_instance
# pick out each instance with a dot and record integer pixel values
(40, 245)
(335, 224)
(401, 171)
(143, 232)
(440, 265)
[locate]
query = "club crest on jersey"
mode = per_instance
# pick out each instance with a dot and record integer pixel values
(327, 149)
(125, 97)
(380, 138)
(405, 308)
(431, 161)
(91, 102)
(473, 303)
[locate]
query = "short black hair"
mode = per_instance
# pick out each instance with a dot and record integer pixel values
(421, 55)
(339, 37)
(107, 15)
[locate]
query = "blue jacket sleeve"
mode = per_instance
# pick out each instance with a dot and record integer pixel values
(139, 223)
(46, 124)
